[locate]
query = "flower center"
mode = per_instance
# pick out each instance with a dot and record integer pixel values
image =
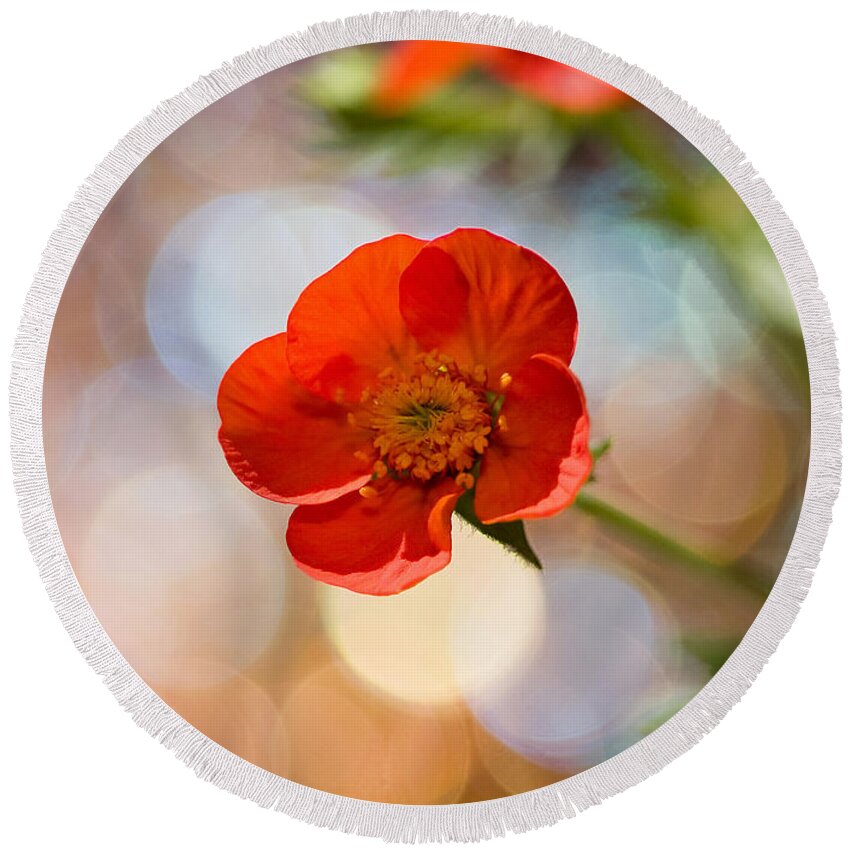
(434, 421)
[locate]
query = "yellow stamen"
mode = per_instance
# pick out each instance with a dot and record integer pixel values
(502, 422)
(505, 381)
(433, 421)
(368, 492)
(465, 480)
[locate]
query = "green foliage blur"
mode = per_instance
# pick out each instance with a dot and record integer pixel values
(479, 125)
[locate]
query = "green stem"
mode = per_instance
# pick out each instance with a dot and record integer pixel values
(659, 542)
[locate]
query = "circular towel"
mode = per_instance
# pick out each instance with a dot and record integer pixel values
(426, 438)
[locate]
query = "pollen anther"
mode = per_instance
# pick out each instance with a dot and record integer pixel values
(465, 480)
(436, 420)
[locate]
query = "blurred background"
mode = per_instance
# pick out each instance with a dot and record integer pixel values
(490, 678)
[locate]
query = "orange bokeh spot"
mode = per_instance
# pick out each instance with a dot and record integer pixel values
(412, 71)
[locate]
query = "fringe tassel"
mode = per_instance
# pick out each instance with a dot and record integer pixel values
(470, 821)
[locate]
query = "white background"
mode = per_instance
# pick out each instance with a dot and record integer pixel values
(75, 769)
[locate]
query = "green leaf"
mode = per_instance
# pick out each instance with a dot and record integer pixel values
(601, 449)
(597, 452)
(510, 534)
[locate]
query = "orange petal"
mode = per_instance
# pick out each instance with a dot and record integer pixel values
(485, 300)
(346, 328)
(281, 441)
(379, 545)
(553, 82)
(412, 70)
(536, 466)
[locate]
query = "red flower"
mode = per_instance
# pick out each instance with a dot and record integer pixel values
(412, 70)
(410, 372)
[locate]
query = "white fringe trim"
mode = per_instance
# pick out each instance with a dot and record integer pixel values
(469, 821)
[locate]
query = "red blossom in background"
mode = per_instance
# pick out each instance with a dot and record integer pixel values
(413, 70)
(409, 373)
